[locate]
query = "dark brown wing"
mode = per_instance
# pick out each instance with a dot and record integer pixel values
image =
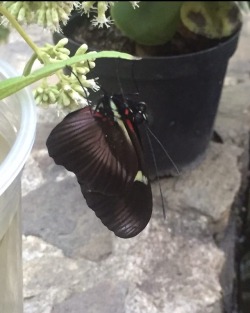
(106, 156)
(96, 149)
(127, 214)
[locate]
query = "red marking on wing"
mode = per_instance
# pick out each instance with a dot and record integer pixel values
(104, 118)
(126, 112)
(130, 125)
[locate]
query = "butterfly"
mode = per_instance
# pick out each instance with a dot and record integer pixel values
(102, 147)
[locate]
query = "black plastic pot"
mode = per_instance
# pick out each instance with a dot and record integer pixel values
(182, 95)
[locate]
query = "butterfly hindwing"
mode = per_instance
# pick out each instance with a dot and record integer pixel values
(126, 214)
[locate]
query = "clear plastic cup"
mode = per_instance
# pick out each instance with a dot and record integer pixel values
(17, 133)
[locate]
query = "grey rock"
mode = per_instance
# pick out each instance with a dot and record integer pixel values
(49, 276)
(232, 122)
(210, 189)
(161, 271)
(106, 297)
(64, 220)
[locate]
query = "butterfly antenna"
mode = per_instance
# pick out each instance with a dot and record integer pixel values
(150, 131)
(72, 72)
(157, 174)
(165, 151)
(118, 78)
(133, 77)
(151, 147)
(105, 94)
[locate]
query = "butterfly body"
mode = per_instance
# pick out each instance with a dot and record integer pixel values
(101, 145)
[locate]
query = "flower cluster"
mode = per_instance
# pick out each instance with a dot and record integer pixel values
(100, 8)
(71, 91)
(48, 14)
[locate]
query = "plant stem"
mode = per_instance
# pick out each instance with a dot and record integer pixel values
(29, 64)
(20, 30)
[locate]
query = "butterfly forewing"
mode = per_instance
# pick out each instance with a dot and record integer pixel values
(95, 150)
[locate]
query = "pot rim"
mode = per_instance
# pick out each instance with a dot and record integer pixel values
(14, 161)
(222, 45)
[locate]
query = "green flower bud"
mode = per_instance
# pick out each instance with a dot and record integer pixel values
(80, 70)
(64, 99)
(91, 64)
(52, 97)
(55, 16)
(64, 51)
(48, 21)
(52, 54)
(49, 14)
(61, 43)
(87, 5)
(90, 83)
(14, 7)
(41, 17)
(39, 90)
(82, 49)
(62, 56)
(63, 16)
(21, 15)
(38, 99)
(45, 97)
(82, 91)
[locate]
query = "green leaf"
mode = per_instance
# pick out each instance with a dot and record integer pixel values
(12, 85)
(153, 23)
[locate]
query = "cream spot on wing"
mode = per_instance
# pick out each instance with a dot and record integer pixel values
(141, 178)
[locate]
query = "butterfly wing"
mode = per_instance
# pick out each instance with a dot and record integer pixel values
(126, 214)
(97, 151)
(105, 154)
